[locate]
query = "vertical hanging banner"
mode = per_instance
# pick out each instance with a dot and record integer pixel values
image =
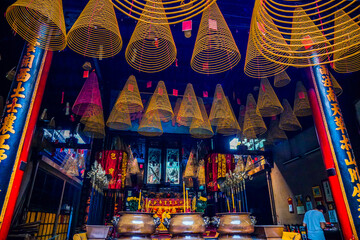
(344, 158)
(15, 120)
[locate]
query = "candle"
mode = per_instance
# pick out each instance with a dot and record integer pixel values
(139, 207)
(228, 205)
(187, 200)
(239, 205)
(233, 202)
(184, 195)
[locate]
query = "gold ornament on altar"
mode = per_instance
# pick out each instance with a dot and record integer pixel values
(160, 103)
(176, 11)
(282, 79)
(253, 122)
(268, 103)
(329, 31)
(301, 103)
(220, 109)
(201, 128)
(130, 96)
(150, 124)
(215, 49)
(119, 119)
(189, 109)
(288, 120)
(151, 47)
(275, 133)
(96, 31)
(39, 22)
(336, 86)
(229, 126)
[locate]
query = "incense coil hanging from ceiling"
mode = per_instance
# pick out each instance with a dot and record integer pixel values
(215, 50)
(96, 31)
(93, 119)
(189, 107)
(170, 12)
(288, 120)
(160, 103)
(119, 118)
(323, 28)
(150, 124)
(253, 122)
(40, 22)
(151, 47)
(302, 106)
(281, 80)
(130, 96)
(229, 126)
(275, 133)
(201, 128)
(268, 103)
(220, 109)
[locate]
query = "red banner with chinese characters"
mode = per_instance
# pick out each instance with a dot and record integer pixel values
(217, 165)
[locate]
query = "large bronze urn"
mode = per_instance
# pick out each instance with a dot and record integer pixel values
(135, 225)
(189, 226)
(234, 225)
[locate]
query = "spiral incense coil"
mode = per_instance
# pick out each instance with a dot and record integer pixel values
(39, 22)
(160, 103)
(176, 109)
(89, 95)
(150, 124)
(268, 103)
(130, 96)
(301, 103)
(241, 121)
(96, 32)
(336, 86)
(93, 115)
(177, 11)
(215, 49)
(151, 47)
(220, 109)
(347, 41)
(229, 126)
(189, 108)
(253, 123)
(275, 133)
(258, 64)
(288, 120)
(282, 79)
(94, 131)
(201, 128)
(119, 118)
(325, 28)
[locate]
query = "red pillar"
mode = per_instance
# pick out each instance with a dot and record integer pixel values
(330, 166)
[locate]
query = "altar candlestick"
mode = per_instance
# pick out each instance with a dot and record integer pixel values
(139, 207)
(187, 201)
(233, 202)
(228, 205)
(239, 205)
(184, 195)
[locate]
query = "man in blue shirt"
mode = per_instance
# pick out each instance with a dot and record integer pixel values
(315, 222)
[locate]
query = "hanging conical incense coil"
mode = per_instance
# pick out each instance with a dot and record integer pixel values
(275, 133)
(241, 122)
(200, 173)
(189, 109)
(150, 124)
(151, 47)
(220, 109)
(229, 126)
(189, 169)
(288, 120)
(215, 49)
(39, 22)
(89, 95)
(282, 79)
(268, 103)
(253, 123)
(336, 86)
(257, 63)
(201, 128)
(119, 118)
(130, 96)
(301, 103)
(93, 115)
(160, 102)
(94, 131)
(346, 43)
(249, 164)
(240, 166)
(96, 31)
(176, 109)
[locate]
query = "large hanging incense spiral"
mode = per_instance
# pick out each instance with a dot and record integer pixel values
(176, 10)
(286, 33)
(151, 47)
(215, 49)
